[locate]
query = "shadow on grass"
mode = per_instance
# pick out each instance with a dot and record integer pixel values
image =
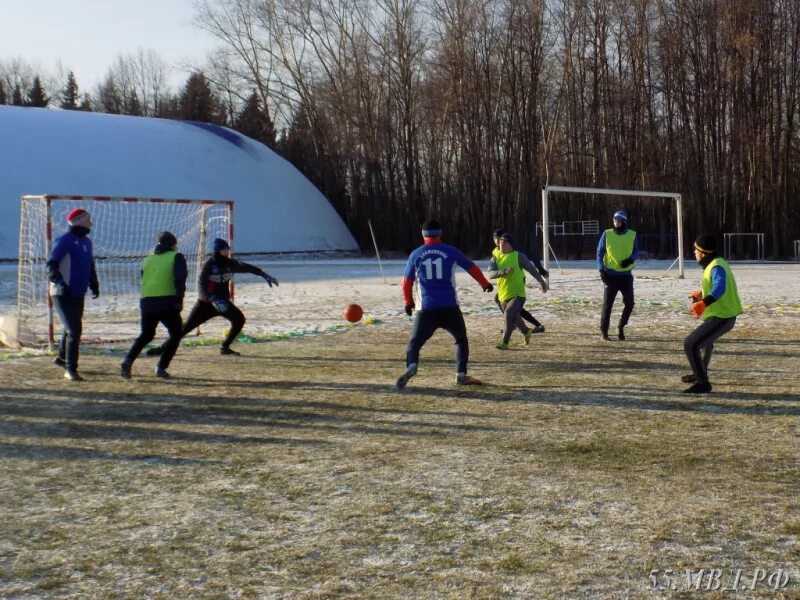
(89, 415)
(54, 452)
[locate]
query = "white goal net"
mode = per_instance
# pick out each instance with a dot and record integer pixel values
(123, 233)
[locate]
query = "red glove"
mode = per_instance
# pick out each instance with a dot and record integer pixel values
(696, 296)
(698, 308)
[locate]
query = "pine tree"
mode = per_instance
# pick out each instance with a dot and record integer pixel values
(16, 96)
(70, 93)
(198, 103)
(36, 95)
(86, 103)
(108, 98)
(255, 122)
(3, 98)
(134, 106)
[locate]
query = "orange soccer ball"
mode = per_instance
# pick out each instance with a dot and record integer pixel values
(353, 313)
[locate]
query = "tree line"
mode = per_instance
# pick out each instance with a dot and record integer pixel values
(462, 109)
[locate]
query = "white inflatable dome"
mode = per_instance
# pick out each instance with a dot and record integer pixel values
(49, 151)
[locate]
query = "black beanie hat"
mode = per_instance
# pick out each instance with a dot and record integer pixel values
(220, 244)
(706, 243)
(166, 239)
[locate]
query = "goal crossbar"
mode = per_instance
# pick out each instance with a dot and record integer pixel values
(547, 189)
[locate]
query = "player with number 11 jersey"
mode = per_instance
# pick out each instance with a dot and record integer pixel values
(432, 265)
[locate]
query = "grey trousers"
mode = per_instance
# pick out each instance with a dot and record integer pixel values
(703, 338)
(511, 309)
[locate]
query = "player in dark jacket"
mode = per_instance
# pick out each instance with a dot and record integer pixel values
(71, 272)
(214, 295)
(163, 287)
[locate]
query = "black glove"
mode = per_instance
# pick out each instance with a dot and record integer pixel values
(604, 275)
(489, 288)
(409, 309)
(96, 293)
(271, 280)
(220, 305)
(626, 263)
(544, 272)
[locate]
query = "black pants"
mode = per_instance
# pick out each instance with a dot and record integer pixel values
(512, 308)
(70, 313)
(522, 313)
(703, 338)
(205, 311)
(615, 284)
(425, 325)
(171, 319)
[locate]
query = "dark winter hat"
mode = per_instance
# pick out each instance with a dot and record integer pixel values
(507, 237)
(220, 244)
(706, 243)
(78, 216)
(498, 232)
(166, 239)
(431, 228)
(621, 214)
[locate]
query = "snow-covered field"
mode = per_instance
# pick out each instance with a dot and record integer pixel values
(312, 293)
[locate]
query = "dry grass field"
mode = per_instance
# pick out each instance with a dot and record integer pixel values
(297, 471)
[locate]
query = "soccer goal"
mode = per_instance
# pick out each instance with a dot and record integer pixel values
(123, 233)
(547, 190)
(743, 246)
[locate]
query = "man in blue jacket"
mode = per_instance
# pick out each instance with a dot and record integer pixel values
(71, 272)
(617, 250)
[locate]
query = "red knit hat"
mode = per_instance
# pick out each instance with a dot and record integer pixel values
(77, 216)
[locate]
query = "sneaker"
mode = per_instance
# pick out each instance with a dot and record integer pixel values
(689, 378)
(502, 345)
(72, 375)
(605, 336)
(157, 351)
(405, 377)
(162, 373)
(698, 388)
(538, 329)
(60, 362)
(621, 335)
(226, 351)
(528, 337)
(467, 380)
(125, 370)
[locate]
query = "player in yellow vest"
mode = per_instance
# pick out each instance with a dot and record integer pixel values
(527, 316)
(718, 303)
(507, 267)
(617, 250)
(163, 286)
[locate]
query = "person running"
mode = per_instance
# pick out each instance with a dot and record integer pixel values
(718, 304)
(433, 265)
(214, 296)
(537, 326)
(71, 272)
(617, 250)
(164, 275)
(508, 268)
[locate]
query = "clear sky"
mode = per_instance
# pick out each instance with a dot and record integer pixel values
(86, 36)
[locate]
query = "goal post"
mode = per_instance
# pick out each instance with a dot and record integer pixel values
(548, 189)
(123, 232)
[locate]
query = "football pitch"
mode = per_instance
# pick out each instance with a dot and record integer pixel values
(298, 471)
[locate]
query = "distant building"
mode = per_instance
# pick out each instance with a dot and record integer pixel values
(46, 151)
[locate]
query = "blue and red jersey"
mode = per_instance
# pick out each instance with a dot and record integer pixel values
(433, 266)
